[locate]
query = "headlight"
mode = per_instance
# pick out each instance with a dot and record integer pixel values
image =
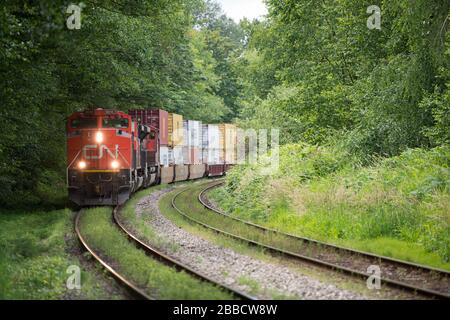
(115, 164)
(82, 165)
(99, 137)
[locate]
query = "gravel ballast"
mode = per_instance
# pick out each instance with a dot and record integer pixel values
(262, 279)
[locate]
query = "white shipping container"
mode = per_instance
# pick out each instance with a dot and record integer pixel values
(164, 156)
(171, 158)
(178, 155)
(186, 155)
(211, 156)
(213, 137)
(192, 132)
(195, 134)
(211, 144)
(205, 135)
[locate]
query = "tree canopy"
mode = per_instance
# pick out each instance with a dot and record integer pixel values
(311, 68)
(170, 54)
(325, 74)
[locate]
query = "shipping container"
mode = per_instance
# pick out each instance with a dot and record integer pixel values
(192, 155)
(175, 130)
(192, 131)
(185, 133)
(205, 155)
(195, 134)
(164, 156)
(171, 157)
(195, 155)
(228, 139)
(178, 157)
(156, 119)
(221, 155)
(186, 155)
(210, 144)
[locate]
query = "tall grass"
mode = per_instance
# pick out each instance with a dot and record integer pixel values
(398, 206)
(34, 257)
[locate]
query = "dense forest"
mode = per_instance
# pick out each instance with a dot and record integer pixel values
(362, 101)
(174, 54)
(311, 68)
(364, 115)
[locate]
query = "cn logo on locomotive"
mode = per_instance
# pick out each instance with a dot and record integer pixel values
(88, 154)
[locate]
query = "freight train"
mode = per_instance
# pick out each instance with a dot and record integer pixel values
(112, 154)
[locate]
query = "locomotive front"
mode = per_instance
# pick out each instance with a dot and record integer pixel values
(100, 148)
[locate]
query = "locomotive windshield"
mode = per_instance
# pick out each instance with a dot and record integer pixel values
(115, 123)
(84, 123)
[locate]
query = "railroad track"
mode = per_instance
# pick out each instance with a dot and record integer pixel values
(154, 253)
(162, 257)
(425, 280)
(128, 285)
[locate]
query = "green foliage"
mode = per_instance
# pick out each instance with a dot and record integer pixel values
(175, 55)
(34, 258)
(320, 193)
(317, 67)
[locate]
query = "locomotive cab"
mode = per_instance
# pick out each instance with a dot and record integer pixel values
(100, 154)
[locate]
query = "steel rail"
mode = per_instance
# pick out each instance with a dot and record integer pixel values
(291, 254)
(316, 242)
(167, 260)
(128, 285)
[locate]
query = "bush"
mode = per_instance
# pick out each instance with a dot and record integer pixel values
(320, 193)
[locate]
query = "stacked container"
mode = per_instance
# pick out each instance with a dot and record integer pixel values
(175, 130)
(164, 156)
(157, 120)
(211, 144)
(193, 142)
(176, 138)
(228, 143)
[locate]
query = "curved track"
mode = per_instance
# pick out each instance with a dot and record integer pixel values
(154, 253)
(130, 287)
(162, 257)
(413, 277)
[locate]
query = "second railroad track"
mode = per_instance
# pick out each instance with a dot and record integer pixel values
(424, 280)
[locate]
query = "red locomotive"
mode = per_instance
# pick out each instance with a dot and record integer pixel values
(111, 154)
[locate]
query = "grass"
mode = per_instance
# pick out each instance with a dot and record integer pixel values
(252, 284)
(398, 207)
(34, 258)
(238, 246)
(160, 281)
(143, 228)
(341, 281)
(145, 231)
(196, 210)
